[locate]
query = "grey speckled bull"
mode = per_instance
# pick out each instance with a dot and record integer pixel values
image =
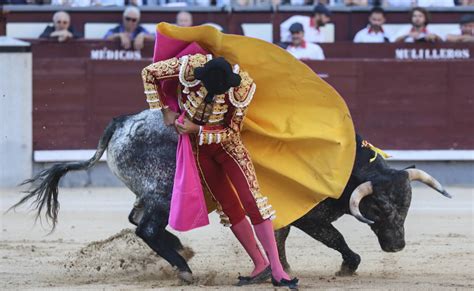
(141, 152)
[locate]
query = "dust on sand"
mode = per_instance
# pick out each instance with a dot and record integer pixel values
(93, 248)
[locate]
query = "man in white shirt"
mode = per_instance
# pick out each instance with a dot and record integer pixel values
(300, 48)
(312, 25)
(418, 32)
(465, 33)
(374, 32)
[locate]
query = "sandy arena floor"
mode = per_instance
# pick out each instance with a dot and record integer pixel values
(439, 252)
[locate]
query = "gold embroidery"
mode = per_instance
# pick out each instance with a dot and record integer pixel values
(155, 105)
(152, 73)
(187, 65)
(235, 149)
(242, 95)
(224, 218)
(165, 69)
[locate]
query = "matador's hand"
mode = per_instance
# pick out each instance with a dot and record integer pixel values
(186, 127)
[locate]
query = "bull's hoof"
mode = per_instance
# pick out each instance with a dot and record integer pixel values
(349, 267)
(345, 271)
(186, 277)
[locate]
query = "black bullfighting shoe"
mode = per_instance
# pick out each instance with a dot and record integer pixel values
(291, 284)
(259, 278)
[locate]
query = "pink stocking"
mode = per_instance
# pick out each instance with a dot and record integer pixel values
(243, 231)
(266, 236)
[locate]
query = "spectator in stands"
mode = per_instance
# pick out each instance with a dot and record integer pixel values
(130, 31)
(465, 33)
(418, 32)
(61, 28)
(374, 31)
(184, 18)
(301, 49)
(312, 25)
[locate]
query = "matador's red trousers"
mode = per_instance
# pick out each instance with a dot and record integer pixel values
(225, 163)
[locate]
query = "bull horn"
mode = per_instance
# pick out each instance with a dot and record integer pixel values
(360, 192)
(422, 176)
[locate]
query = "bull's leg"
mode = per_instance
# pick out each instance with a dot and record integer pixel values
(172, 240)
(281, 235)
(151, 229)
(132, 217)
(332, 238)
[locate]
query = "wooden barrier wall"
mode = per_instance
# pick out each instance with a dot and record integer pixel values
(395, 104)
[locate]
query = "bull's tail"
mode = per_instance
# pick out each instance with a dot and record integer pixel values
(45, 193)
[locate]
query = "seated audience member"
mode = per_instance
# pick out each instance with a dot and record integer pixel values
(465, 33)
(61, 28)
(418, 32)
(374, 31)
(301, 49)
(312, 25)
(130, 31)
(184, 19)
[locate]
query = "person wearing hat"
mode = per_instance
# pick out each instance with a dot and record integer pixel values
(465, 33)
(312, 25)
(252, 109)
(214, 98)
(301, 49)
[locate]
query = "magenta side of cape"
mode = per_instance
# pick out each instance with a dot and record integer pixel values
(167, 48)
(188, 206)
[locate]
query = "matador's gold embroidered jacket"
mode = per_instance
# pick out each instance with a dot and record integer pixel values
(220, 119)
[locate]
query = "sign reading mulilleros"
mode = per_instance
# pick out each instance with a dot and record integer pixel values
(432, 54)
(115, 55)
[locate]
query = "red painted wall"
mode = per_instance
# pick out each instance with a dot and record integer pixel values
(395, 104)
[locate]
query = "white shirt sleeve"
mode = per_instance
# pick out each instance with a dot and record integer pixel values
(316, 52)
(358, 37)
(399, 33)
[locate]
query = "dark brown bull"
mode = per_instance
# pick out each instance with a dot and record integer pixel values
(375, 194)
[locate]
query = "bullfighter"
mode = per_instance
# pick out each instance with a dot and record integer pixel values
(294, 109)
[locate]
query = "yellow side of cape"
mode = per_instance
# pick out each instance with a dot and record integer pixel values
(298, 130)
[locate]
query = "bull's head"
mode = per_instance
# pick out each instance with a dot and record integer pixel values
(385, 211)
